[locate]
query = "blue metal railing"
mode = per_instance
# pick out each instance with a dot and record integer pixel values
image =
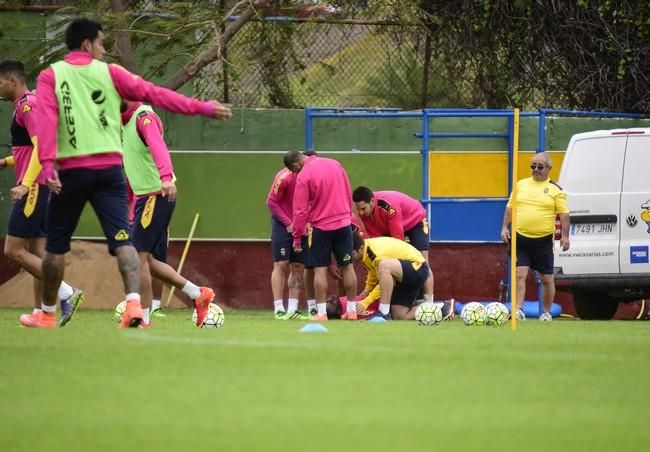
(426, 136)
(427, 114)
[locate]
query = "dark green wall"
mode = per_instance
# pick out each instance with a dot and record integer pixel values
(229, 190)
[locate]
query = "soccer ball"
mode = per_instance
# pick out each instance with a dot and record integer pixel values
(473, 313)
(428, 314)
(214, 319)
(497, 314)
(119, 310)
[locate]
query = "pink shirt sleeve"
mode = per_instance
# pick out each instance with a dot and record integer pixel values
(25, 116)
(274, 200)
(300, 208)
(47, 120)
(276, 211)
(150, 129)
(135, 88)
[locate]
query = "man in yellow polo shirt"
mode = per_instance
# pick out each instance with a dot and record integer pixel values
(539, 200)
(396, 272)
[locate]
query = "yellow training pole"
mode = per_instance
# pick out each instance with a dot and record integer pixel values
(183, 256)
(513, 223)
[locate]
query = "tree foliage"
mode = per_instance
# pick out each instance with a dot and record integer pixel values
(583, 54)
(183, 36)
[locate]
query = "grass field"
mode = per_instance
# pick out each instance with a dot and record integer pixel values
(258, 384)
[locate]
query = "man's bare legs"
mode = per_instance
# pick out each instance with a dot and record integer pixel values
(156, 293)
(20, 251)
(146, 290)
(278, 279)
(200, 296)
(52, 275)
(310, 292)
(548, 291)
(295, 284)
(37, 248)
(128, 263)
(522, 275)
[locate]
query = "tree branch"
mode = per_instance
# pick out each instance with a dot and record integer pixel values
(212, 54)
(123, 48)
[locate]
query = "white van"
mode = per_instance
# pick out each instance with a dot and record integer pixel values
(606, 175)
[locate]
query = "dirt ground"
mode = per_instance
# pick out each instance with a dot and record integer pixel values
(88, 267)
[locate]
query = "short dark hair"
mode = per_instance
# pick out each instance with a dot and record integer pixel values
(12, 67)
(362, 194)
(310, 152)
(79, 30)
(357, 241)
(291, 158)
(333, 306)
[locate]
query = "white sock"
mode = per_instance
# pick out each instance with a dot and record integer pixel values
(322, 308)
(145, 315)
(292, 305)
(278, 305)
(191, 290)
(384, 308)
(50, 309)
(65, 291)
(35, 310)
(311, 304)
(352, 306)
(155, 304)
(428, 298)
(133, 296)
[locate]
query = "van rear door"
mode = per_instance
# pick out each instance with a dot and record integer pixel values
(635, 204)
(592, 177)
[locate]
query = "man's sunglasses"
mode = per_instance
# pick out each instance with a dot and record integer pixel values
(537, 166)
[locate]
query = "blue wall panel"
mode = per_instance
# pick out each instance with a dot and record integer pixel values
(467, 219)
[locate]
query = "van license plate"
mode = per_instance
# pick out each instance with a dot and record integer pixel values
(592, 228)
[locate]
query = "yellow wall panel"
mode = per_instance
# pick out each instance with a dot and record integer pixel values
(472, 174)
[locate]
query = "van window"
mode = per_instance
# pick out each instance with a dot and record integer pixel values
(637, 162)
(595, 165)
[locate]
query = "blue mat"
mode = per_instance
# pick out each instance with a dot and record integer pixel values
(531, 308)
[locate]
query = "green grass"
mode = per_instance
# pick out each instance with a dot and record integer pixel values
(259, 385)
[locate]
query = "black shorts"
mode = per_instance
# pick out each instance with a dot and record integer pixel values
(323, 243)
(419, 235)
(282, 244)
(160, 251)
(27, 217)
(105, 190)
(406, 291)
(535, 253)
(151, 225)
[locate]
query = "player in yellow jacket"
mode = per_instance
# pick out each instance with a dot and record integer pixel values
(396, 272)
